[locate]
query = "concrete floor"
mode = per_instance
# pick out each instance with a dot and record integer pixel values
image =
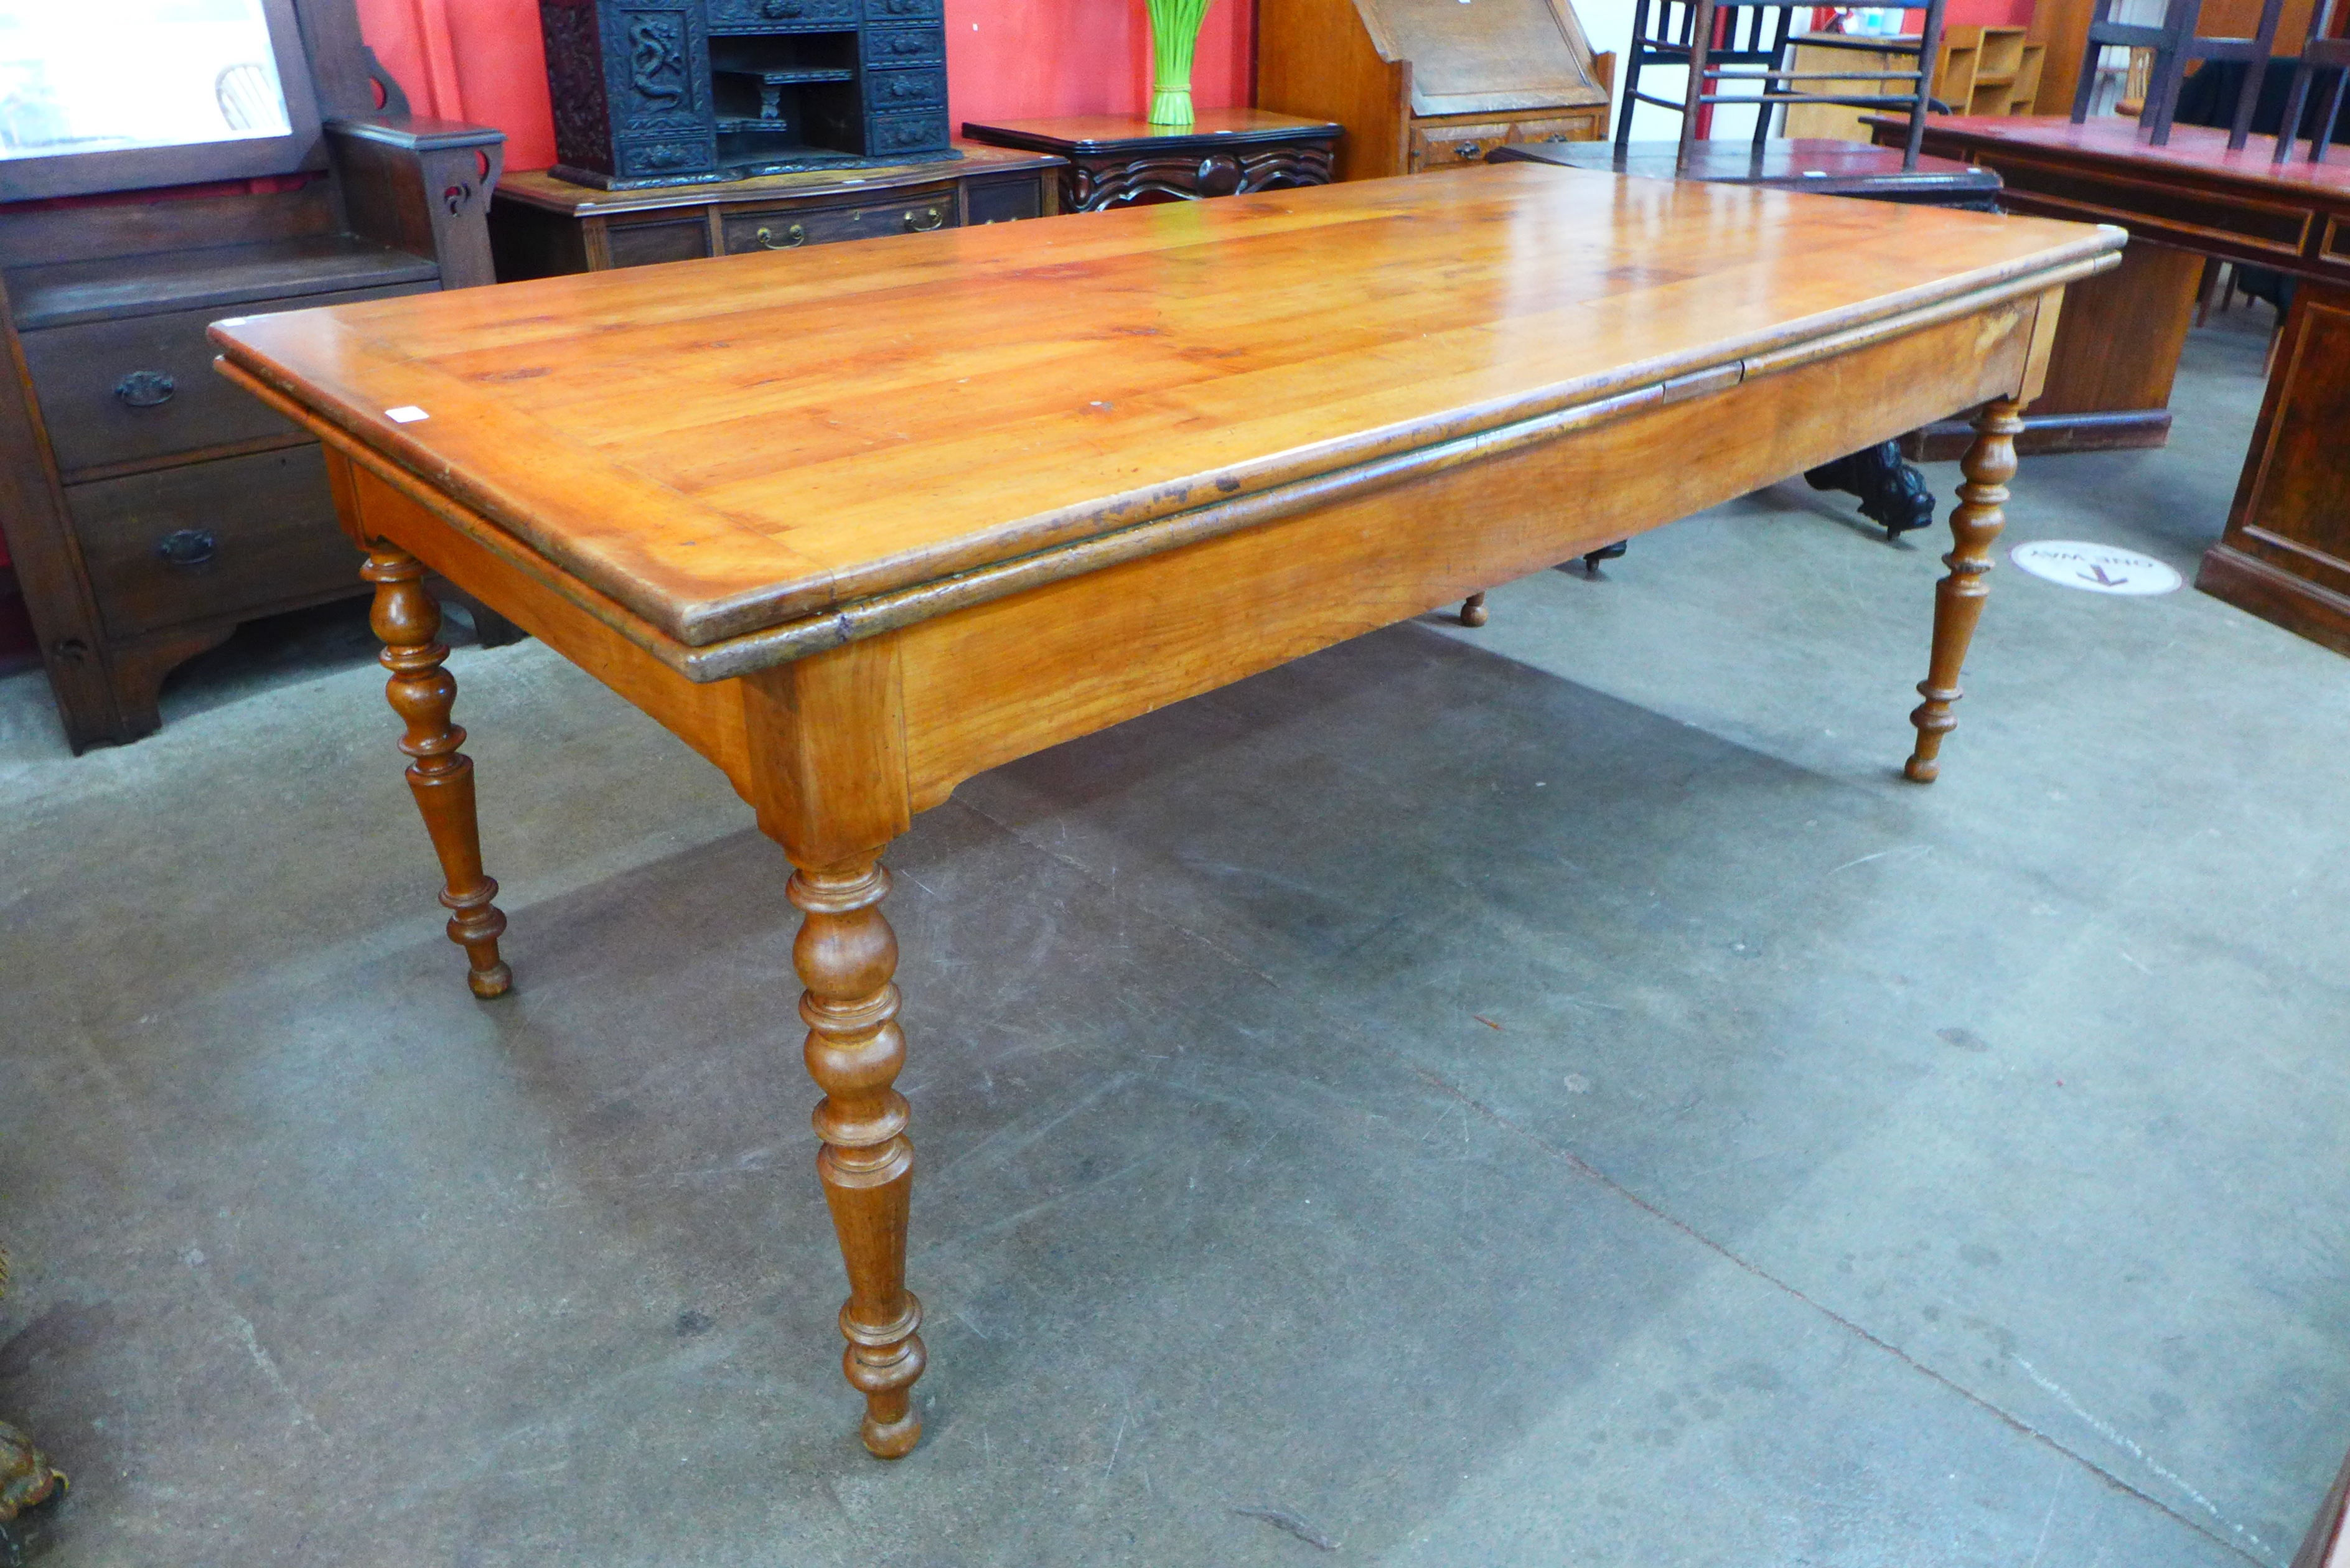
(1541, 1095)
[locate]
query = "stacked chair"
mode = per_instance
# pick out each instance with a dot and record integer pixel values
(2175, 46)
(2323, 51)
(1736, 53)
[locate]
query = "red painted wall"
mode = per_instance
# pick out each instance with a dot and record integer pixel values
(482, 61)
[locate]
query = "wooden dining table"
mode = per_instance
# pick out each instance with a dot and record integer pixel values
(859, 523)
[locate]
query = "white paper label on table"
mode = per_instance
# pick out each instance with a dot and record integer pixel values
(2098, 569)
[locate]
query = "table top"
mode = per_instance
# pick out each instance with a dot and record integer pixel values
(729, 445)
(1127, 133)
(537, 188)
(2117, 143)
(1820, 165)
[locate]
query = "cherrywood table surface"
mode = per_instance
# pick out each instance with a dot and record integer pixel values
(721, 446)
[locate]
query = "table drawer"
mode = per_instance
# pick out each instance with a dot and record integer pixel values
(789, 228)
(233, 536)
(131, 390)
(1452, 146)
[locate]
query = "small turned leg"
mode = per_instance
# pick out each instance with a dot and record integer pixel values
(1959, 598)
(442, 777)
(846, 953)
(1472, 610)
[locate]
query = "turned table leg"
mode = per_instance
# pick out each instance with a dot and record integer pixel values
(1959, 598)
(846, 954)
(442, 777)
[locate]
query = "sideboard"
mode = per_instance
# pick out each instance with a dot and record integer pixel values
(541, 226)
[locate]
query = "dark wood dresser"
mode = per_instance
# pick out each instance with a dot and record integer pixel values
(541, 226)
(150, 506)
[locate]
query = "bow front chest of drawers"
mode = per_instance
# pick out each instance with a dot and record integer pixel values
(541, 226)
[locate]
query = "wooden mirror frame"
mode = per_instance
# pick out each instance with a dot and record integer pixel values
(143, 168)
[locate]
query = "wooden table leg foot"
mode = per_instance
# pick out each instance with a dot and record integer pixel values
(1959, 598)
(422, 692)
(1472, 610)
(846, 954)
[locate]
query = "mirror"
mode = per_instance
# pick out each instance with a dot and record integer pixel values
(103, 76)
(120, 94)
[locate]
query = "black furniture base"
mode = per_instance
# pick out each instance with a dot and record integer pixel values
(1892, 494)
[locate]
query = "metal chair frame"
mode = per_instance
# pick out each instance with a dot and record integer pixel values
(2175, 46)
(1684, 33)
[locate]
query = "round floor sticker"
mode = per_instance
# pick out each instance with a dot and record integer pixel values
(2099, 568)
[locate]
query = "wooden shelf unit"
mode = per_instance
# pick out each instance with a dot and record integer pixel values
(1988, 71)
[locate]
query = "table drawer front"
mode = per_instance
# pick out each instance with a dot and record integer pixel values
(1453, 146)
(879, 11)
(789, 228)
(918, 88)
(233, 536)
(780, 15)
(1003, 201)
(905, 46)
(134, 390)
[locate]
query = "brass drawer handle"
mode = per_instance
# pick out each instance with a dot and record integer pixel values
(798, 232)
(915, 225)
(187, 547)
(145, 388)
(1555, 136)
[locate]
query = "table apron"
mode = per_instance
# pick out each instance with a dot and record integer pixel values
(997, 680)
(994, 681)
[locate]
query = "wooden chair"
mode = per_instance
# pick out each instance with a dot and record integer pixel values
(2323, 51)
(2176, 45)
(1734, 43)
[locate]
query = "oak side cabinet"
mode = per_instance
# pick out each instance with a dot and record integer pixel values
(1421, 85)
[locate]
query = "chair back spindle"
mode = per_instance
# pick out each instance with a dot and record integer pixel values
(1735, 52)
